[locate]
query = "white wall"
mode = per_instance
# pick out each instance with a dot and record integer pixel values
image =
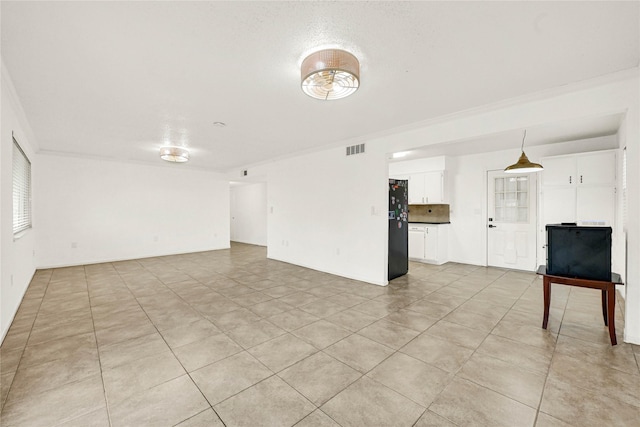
(249, 213)
(17, 262)
(468, 194)
(631, 127)
(92, 210)
(330, 213)
(428, 164)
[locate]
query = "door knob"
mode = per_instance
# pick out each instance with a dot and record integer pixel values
(493, 226)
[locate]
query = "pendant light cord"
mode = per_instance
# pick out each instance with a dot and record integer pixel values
(523, 137)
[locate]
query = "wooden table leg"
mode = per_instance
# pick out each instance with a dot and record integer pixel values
(546, 284)
(604, 307)
(607, 288)
(611, 304)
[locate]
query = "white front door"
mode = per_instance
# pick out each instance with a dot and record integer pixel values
(511, 226)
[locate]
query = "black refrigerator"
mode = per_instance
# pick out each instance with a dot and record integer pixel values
(398, 228)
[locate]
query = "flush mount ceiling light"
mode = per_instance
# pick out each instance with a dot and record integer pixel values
(174, 154)
(330, 74)
(523, 165)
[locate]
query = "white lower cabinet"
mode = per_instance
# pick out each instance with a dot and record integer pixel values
(431, 242)
(416, 242)
(428, 243)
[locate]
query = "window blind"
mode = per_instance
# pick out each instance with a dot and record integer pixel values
(21, 189)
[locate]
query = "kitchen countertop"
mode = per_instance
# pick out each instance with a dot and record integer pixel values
(426, 222)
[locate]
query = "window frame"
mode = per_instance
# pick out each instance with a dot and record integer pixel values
(22, 212)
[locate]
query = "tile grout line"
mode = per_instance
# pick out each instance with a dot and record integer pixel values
(395, 351)
(455, 374)
(222, 332)
(28, 337)
(95, 336)
(553, 354)
(170, 348)
(77, 380)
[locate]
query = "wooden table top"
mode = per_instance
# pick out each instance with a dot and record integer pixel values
(615, 277)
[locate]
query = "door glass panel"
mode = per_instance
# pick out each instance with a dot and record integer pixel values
(511, 199)
(522, 199)
(523, 183)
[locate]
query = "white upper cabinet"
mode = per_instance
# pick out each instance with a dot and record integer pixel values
(598, 168)
(559, 171)
(434, 187)
(416, 188)
(579, 188)
(587, 169)
(425, 187)
(427, 179)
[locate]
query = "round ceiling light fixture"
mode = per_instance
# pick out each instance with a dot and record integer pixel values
(174, 154)
(330, 74)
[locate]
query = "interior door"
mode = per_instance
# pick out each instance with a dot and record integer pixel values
(511, 226)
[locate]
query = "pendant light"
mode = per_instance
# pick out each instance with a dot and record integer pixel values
(330, 74)
(523, 165)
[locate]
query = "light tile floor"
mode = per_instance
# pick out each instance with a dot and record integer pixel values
(230, 338)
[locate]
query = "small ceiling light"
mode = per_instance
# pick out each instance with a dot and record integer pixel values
(174, 154)
(330, 74)
(523, 165)
(219, 124)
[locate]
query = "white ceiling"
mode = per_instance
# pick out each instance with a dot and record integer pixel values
(119, 79)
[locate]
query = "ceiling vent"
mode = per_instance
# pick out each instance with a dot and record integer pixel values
(355, 149)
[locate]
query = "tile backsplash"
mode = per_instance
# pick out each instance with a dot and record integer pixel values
(436, 213)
